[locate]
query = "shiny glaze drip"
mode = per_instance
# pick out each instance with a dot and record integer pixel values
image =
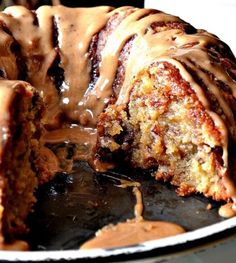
(79, 101)
(138, 209)
(73, 134)
(35, 40)
(132, 233)
(135, 231)
(83, 138)
(227, 210)
(73, 43)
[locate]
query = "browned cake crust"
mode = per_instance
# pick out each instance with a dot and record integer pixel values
(21, 108)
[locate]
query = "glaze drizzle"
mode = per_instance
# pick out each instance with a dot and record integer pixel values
(156, 37)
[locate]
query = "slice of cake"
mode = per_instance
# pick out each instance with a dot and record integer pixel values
(20, 115)
(170, 127)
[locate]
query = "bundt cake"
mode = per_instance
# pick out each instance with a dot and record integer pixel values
(118, 85)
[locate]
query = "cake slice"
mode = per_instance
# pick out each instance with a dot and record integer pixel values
(170, 127)
(20, 114)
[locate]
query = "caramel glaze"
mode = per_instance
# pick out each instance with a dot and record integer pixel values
(227, 210)
(17, 245)
(133, 231)
(62, 36)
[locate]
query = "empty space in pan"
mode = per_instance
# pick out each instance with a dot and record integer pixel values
(71, 208)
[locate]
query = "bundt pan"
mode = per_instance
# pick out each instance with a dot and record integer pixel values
(72, 207)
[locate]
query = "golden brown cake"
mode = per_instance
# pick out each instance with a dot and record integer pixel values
(127, 85)
(20, 112)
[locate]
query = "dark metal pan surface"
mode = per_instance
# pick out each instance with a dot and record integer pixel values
(71, 208)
